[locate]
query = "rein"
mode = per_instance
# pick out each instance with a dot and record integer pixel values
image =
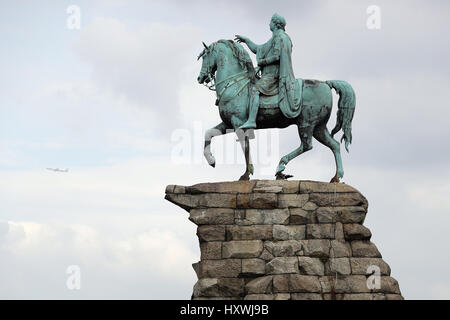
(233, 79)
(238, 77)
(211, 80)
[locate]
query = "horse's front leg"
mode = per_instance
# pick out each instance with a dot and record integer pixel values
(209, 134)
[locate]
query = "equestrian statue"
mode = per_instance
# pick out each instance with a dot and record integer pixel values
(269, 96)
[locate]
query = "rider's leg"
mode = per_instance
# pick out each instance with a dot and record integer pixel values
(254, 106)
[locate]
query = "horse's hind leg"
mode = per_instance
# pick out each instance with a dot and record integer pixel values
(322, 135)
(209, 134)
(306, 145)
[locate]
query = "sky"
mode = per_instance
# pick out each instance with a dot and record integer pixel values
(117, 103)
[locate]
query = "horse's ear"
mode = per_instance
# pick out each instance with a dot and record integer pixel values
(206, 47)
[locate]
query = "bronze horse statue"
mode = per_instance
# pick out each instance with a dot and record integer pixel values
(228, 70)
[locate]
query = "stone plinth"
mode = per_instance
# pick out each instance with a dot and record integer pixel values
(265, 239)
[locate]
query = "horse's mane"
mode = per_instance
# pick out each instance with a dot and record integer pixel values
(242, 56)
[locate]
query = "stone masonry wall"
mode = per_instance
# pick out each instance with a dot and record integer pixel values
(265, 239)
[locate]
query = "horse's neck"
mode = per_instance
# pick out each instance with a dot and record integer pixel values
(227, 69)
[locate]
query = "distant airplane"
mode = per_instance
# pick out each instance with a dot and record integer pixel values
(58, 170)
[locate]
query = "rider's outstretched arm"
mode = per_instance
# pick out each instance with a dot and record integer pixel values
(251, 45)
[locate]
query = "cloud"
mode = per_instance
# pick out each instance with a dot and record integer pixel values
(440, 292)
(143, 65)
(108, 261)
(431, 195)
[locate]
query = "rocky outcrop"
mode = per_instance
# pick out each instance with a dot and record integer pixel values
(279, 240)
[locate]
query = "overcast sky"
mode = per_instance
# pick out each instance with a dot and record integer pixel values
(114, 100)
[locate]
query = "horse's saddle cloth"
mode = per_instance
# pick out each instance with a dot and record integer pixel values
(267, 102)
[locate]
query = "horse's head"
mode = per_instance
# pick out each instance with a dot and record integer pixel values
(209, 65)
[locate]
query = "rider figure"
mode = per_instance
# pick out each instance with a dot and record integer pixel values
(277, 77)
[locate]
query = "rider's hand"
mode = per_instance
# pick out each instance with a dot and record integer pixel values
(240, 38)
(261, 62)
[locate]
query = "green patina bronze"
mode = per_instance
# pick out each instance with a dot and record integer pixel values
(270, 96)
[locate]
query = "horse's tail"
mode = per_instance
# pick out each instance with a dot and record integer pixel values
(346, 109)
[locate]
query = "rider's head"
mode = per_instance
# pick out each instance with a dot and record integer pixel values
(277, 22)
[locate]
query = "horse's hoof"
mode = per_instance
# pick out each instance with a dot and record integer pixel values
(244, 177)
(212, 162)
(210, 159)
(334, 179)
(282, 176)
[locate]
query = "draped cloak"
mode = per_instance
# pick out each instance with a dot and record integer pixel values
(278, 76)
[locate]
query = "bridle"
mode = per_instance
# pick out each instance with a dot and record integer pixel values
(211, 77)
(211, 83)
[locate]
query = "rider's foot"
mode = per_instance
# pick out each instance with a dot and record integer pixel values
(248, 125)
